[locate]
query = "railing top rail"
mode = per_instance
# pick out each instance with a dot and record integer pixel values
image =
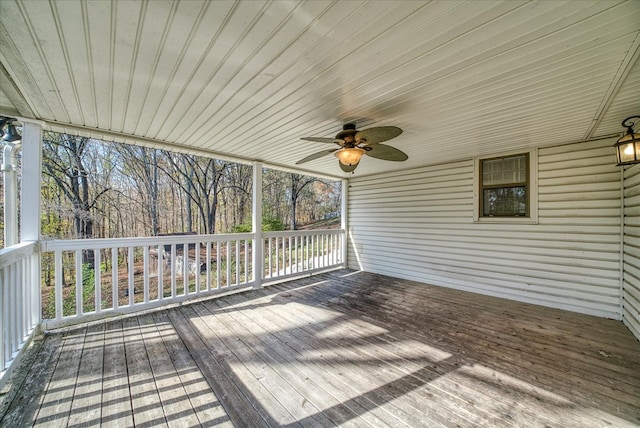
(272, 234)
(16, 252)
(81, 244)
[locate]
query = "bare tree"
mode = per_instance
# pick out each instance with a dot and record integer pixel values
(236, 187)
(200, 179)
(141, 164)
(101, 190)
(297, 185)
(64, 161)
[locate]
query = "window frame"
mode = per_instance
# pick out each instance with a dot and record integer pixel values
(531, 186)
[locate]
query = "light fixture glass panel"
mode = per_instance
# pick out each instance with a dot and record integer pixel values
(627, 152)
(350, 155)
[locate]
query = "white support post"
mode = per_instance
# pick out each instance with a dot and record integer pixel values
(9, 169)
(30, 212)
(344, 216)
(256, 222)
(31, 180)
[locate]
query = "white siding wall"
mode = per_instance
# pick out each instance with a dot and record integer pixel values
(631, 290)
(418, 225)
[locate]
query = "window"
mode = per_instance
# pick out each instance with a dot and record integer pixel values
(504, 188)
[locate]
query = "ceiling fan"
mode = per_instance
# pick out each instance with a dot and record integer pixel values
(353, 144)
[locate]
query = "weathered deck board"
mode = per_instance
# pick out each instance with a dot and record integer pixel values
(337, 349)
(116, 402)
(205, 403)
(86, 404)
(56, 406)
(497, 345)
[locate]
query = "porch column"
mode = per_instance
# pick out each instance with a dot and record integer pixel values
(30, 209)
(345, 220)
(256, 222)
(9, 168)
(31, 180)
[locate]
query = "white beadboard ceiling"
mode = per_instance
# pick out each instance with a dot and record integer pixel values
(247, 79)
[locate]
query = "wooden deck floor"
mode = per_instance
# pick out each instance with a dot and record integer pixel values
(341, 348)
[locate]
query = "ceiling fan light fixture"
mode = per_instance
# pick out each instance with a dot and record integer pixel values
(349, 155)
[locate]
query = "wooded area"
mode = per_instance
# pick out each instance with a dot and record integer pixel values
(95, 189)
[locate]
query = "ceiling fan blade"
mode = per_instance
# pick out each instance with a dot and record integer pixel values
(378, 134)
(348, 168)
(316, 155)
(384, 152)
(323, 140)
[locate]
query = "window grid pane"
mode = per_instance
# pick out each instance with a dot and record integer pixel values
(511, 170)
(509, 201)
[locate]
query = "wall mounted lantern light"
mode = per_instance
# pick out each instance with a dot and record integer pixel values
(628, 146)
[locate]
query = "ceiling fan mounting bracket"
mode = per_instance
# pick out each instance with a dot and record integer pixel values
(348, 133)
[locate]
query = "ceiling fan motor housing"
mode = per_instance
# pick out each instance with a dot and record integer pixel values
(347, 134)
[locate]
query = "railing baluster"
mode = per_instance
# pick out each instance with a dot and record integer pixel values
(16, 298)
(115, 296)
(285, 251)
(208, 266)
(279, 246)
(57, 278)
(22, 279)
(185, 269)
(274, 268)
(295, 253)
(218, 257)
(246, 261)
(197, 263)
(97, 280)
(145, 274)
(4, 305)
(36, 287)
(314, 251)
(269, 271)
(324, 250)
(290, 257)
(130, 270)
(160, 272)
(173, 271)
(237, 262)
(228, 279)
(79, 309)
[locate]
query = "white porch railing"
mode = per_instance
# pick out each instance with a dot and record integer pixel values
(290, 253)
(94, 276)
(80, 280)
(19, 300)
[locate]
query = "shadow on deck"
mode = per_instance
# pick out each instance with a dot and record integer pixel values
(340, 348)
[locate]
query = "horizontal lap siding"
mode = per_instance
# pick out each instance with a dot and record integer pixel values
(418, 225)
(631, 287)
